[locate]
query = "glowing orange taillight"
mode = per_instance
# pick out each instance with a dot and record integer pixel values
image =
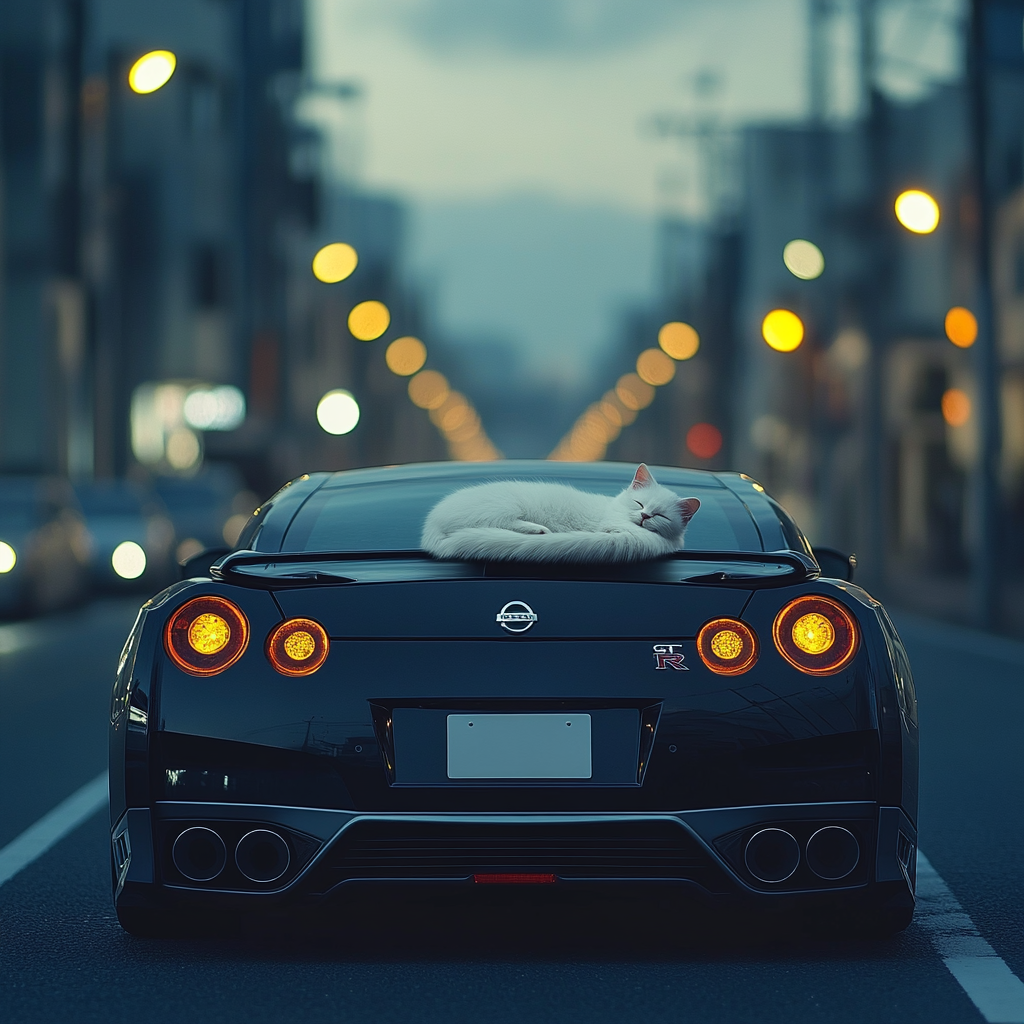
(206, 635)
(298, 647)
(727, 646)
(816, 635)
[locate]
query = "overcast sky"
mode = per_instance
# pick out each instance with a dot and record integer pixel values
(519, 132)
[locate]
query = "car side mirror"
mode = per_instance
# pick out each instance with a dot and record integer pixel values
(199, 564)
(835, 564)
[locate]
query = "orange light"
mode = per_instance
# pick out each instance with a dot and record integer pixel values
(961, 327)
(704, 440)
(816, 635)
(956, 407)
(206, 635)
(406, 356)
(298, 647)
(429, 389)
(727, 646)
(655, 367)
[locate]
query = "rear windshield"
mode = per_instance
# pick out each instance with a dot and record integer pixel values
(389, 516)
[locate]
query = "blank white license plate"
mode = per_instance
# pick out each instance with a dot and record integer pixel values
(519, 747)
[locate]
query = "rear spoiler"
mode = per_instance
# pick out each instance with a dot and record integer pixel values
(232, 567)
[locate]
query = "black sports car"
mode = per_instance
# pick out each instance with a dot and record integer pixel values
(327, 706)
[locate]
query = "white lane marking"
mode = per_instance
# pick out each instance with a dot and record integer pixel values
(51, 828)
(993, 988)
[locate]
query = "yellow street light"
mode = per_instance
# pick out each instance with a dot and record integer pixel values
(429, 389)
(654, 367)
(917, 211)
(961, 327)
(405, 356)
(152, 71)
(633, 392)
(369, 320)
(334, 262)
(783, 330)
(679, 340)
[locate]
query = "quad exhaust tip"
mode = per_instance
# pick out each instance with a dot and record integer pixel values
(199, 854)
(833, 852)
(772, 855)
(262, 855)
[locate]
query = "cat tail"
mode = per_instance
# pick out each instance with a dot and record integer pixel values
(489, 543)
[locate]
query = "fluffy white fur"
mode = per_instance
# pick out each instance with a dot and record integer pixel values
(535, 521)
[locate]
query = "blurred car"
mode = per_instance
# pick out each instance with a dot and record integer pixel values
(131, 535)
(44, 547)
(331, 708)
(207, 510)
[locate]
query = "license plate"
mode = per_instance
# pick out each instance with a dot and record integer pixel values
(519, 747)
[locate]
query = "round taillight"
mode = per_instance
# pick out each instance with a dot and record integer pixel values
(206, 635)
(727, 646)
(298, 647)
(816, 635)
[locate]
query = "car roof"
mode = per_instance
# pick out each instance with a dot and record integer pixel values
(541, 469)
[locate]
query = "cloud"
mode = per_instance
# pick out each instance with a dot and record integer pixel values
(531, 26)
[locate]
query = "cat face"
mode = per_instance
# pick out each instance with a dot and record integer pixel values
(652, 507)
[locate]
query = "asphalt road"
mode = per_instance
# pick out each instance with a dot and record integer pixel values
(507, 957)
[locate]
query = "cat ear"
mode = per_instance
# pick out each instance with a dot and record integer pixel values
(687, 508)
(641, 478)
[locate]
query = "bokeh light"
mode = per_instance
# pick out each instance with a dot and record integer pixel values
(152, 71)
(128, 560)
(956, 407)
(183, 449)
(803, 259)
(634, 393)
(406, 356)
(679, 340)
(233, 527)
(369, 320)
(704, 440)
(8, 557)
(338, 412)
(654, 367)
(783, 330)
(961, 327)
(335, 262)
(917, 211)
(428, 389)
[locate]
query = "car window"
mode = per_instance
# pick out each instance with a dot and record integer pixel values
(388, 517)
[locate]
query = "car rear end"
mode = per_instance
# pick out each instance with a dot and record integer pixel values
(394, 720)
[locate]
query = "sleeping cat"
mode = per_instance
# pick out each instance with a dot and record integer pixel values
(536, 521)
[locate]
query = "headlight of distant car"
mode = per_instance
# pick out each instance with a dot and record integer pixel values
(206, 635)
(8, 556)
(816, 635)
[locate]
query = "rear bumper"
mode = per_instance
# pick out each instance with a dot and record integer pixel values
(333, 851)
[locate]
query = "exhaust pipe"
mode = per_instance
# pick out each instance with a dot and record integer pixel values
(833, 852)
(199, 854)
(262, 855)
(772, 855)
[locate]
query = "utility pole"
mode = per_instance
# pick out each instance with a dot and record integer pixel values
(873, 301)
(985, 576)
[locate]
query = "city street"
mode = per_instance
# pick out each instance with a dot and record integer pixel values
(64, 957)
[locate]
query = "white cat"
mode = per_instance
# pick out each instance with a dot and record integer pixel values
(536, 521)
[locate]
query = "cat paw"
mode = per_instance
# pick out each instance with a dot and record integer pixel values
(525, 526)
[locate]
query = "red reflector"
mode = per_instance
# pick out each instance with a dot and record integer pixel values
(514, 879)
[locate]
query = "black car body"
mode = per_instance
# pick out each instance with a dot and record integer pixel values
(249, 788)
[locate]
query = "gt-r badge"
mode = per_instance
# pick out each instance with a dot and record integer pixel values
(670, 656)
(516, 617)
